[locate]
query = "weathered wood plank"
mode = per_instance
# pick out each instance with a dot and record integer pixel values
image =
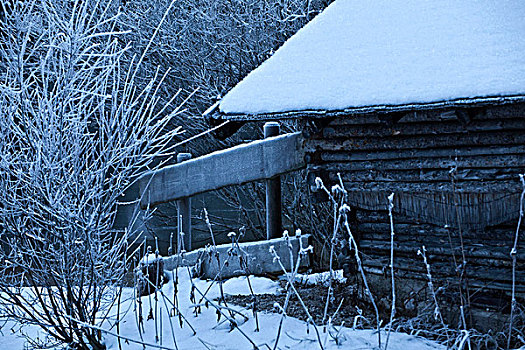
(442, 250)
(258, 160)
(441, 267)
(484, 113)
(422, 232)
(473, 283)
(274, 221)
(445, 186)
(501, 233)
(413, 142)
(256, 255)
(351, 155)
(484, 261)
(428, 128)
(420, 175)
(479, 162)
(446, 269)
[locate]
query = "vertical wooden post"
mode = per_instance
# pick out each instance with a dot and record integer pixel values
(273, 193)
(184, 213)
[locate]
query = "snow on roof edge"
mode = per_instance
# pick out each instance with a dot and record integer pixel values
(361, 54)
(215, 113)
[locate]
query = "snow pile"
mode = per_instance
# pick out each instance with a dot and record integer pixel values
(239, 286)
(319, 278)
(220, 336)
(150, 259)
(361, 53)
(213, 335)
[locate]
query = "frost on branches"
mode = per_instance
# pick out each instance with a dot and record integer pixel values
(75, 133)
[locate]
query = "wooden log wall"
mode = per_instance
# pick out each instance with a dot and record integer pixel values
(404, 151)
(488, 271)
(452, 171)
(441, 162)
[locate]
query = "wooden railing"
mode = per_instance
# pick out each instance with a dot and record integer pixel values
(265, 159)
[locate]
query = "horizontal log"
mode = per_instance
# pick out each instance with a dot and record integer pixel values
(417, 142)
(257, 255)
(405, 267)
(471, 261)
(474, 285)
(450, 153)
(413, 235)
(386, 187)
(414, 230)
(258, 160)
(443, 241)
(370, 218)
(483, 253)
(485, 113)
(429, 128)
(491, 162)
(445, 186)
(490, 236)
(420, 175)
(439, 249)
(438, 267)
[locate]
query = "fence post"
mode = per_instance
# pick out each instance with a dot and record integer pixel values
(184, 213)
(273, 193)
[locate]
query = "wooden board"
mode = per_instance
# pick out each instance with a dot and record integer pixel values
(253, 161)
(256, 254)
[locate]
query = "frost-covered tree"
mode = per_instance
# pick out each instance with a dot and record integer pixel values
(75, 133)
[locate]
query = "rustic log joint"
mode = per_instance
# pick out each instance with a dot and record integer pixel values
(467, 115)
(390, 118)
(313, 128)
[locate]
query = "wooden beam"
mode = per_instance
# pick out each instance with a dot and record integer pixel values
(274, 220)
(457, 140)
(184, 215)
(427, 129)
(258, 160)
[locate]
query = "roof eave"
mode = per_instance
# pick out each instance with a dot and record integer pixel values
(215, 113)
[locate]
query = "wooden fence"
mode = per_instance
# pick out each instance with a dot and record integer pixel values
(265, 159)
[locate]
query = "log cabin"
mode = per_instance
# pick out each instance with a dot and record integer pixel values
(421, 98)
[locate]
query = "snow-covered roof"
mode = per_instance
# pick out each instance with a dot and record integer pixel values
(361, 54)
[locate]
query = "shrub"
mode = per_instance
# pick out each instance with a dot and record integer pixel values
(75, 133)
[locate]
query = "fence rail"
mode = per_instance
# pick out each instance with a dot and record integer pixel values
(257, 160)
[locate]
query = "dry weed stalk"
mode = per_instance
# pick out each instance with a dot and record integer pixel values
(393, 310)
(341, 214)
(513, 254)
(291, 284)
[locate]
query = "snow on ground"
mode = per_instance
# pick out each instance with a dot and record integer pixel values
(239, 286)
(213, 335)
(391, 52)
(11, 336)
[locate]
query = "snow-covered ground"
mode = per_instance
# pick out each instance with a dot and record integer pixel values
(219, 335)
